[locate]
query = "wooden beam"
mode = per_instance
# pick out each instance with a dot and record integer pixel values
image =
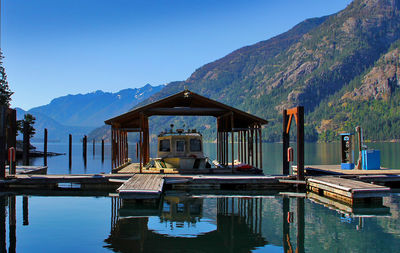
(300, 143)
(285, 144)
(3, 141)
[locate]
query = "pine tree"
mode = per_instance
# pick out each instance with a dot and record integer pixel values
(5, 92)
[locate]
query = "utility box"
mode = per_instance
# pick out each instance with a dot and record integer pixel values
(347, 151)
(371, 159)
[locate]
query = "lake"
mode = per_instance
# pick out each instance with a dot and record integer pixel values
(190, 222)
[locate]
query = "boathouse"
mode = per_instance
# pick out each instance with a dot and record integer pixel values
(232, 125)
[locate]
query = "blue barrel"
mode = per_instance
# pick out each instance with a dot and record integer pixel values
(371, 159)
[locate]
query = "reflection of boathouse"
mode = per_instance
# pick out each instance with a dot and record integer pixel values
(237, 228)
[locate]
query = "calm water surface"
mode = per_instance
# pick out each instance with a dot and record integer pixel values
(193, 222)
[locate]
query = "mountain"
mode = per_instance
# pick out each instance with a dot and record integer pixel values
(80, 114)
(313, 64)
(91, 109)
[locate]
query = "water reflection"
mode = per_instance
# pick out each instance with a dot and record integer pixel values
(179, 223)
(199, 223)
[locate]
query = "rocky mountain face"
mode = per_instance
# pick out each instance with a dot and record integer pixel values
(311, 64)
(80, 114)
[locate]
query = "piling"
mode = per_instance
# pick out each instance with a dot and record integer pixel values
(25, 149)
(12, 134)
(94, 143)
(70, 151)
(45, 148)
(84, 149)
(3, 126)
(102, 150)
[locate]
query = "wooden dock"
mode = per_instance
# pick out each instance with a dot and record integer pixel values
(142, 186)
(347, 190)
(336, 170)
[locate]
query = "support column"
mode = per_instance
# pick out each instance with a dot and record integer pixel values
(300, 143)
(45, 148)
(285, 144)
(3, 126)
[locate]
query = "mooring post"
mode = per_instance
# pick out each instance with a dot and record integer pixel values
(285, 144)
(85, 150)
(45, 148)
(25, 211)
(3, 126)
(102, 150)
(70, 151)
(12, 134)
(25, 146)
(94, 143)
(300, 143)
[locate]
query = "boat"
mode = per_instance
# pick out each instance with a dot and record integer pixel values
(180, 150)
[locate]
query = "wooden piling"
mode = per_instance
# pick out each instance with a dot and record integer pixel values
(45, 148)
(25, 150)
(3, 126)
(94, 143)
(85, 150)
(102, 150)
(70, 151)
(285, 144)
(12, 133)
(300, 143)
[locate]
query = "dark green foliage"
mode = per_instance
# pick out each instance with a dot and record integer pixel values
(30, 120)
(5, 92)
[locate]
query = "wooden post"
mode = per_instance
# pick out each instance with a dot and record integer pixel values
(70, 151)
(12, 134)
(233, 142)
(45, 148)
(285, 144)
(102, 150)
(85, 150)
(300, 143)
(94, 143)
(25, 211)
(26, 142)
(256, 144)
(3, 126)
(261, 153)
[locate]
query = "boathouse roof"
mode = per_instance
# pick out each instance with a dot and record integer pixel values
(188, 103)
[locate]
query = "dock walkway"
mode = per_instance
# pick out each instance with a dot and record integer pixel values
(142, 186)
(347, 190)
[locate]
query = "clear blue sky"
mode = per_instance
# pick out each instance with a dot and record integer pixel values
(57, 47)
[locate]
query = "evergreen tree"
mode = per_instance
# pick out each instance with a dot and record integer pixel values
(5, 92)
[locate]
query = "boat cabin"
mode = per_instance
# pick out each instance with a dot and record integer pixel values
(181, 149)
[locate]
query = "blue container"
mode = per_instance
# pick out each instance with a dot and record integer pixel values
(347, 166)
(371, 159)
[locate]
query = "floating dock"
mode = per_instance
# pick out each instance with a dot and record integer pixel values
(142, 186)
(347, 190)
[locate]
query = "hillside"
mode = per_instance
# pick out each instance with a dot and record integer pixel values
(308, 65)
(91, 109)
(79, 114)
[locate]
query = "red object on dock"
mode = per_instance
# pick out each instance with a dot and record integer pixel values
(290, 154)
(11, 154)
